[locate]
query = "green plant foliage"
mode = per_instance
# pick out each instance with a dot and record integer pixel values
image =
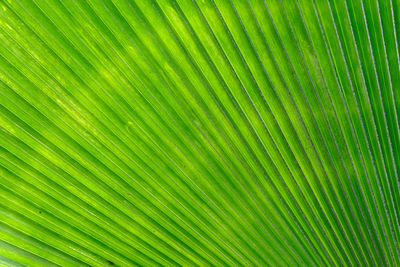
(199, 132)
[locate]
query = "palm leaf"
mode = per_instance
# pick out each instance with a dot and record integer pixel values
(178, 132)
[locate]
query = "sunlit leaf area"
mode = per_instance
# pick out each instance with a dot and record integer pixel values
(199, 133)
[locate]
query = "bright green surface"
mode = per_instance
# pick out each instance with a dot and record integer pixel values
(180, 132)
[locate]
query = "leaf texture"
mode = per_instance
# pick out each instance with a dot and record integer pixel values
(199, 132)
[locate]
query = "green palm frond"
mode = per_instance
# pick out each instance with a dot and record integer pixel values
(199, 132)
